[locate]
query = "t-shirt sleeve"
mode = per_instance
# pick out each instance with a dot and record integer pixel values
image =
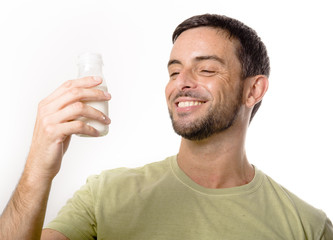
(76, 220)
(328, 230)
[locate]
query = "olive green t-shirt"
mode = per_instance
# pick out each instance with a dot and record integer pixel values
(159, 201)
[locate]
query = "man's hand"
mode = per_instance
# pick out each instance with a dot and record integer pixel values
(56, 121)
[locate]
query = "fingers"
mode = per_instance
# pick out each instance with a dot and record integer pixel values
(76, 110)
(64, 107)
(78, 94)
(86, 82)
(59, 132)
(73, 91)
(76, 127)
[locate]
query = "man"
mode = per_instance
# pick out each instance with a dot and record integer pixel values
(219, 72)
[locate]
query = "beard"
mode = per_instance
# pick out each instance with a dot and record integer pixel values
(218, 119)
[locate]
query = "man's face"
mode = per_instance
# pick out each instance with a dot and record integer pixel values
(204, 93)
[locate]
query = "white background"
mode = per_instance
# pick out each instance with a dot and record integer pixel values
(290, 138)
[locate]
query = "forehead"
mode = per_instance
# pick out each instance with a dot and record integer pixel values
(204, 41)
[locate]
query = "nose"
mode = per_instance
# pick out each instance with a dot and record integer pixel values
(186, 80)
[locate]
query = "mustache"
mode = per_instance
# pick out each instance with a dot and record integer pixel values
(191, 94)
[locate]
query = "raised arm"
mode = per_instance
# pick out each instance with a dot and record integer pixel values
(56, 121)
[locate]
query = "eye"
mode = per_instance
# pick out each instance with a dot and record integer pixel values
(207, 72)
(207, 68)
(174, 74)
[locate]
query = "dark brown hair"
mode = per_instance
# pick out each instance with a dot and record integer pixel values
(251, 52)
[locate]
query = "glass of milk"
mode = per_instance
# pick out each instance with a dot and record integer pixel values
(90, 64)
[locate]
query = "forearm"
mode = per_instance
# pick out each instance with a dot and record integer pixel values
(57, 120)
(24, 215)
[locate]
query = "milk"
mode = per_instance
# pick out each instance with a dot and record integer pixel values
(90, 64)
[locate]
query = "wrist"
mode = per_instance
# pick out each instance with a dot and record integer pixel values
(37, 177)
(40, 168)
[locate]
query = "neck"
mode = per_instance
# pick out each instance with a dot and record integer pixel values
(218, 161)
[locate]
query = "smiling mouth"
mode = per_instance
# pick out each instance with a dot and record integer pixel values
(189, 103)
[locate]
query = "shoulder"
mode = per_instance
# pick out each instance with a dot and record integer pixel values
(313, 220)
(130, 177)
(147, 171)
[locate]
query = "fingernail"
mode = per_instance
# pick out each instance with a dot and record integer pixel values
(97, 79)
(108, 95)
(106, 119)
(97, 133)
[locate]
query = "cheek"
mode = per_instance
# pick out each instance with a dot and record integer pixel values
(216, 90)
(221, 91)
(168, 91)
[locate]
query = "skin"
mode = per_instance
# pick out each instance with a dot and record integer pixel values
(24, 215)
(217, 161)
(208, 80)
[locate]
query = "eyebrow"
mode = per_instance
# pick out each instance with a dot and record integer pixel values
(210, 57)
(173, 61)
(199, 58)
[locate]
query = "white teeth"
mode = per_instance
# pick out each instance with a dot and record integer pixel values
(189, 104)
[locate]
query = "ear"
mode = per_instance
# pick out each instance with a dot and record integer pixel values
(255, 89)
